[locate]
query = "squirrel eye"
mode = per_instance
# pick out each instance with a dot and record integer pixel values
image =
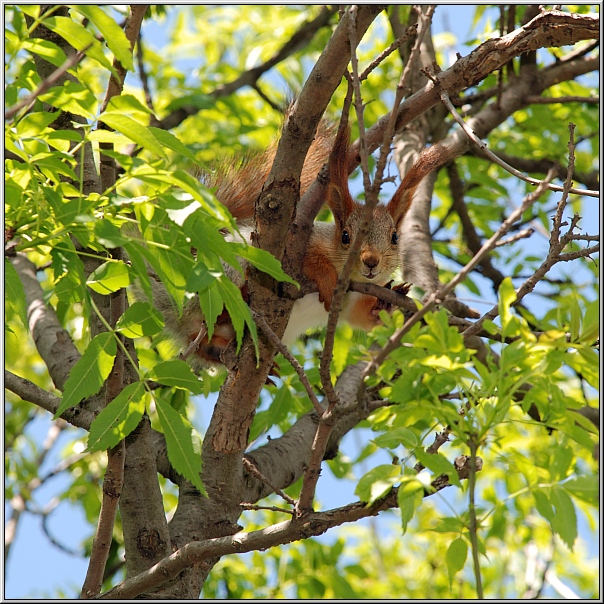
(345, 237)
(394, 239)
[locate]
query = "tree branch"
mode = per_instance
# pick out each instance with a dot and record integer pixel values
(441, 294)
(251, 77)
(52, 342)
(547, 29)
(28, 391)
(312, 525)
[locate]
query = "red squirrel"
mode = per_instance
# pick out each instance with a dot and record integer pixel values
(327, 249)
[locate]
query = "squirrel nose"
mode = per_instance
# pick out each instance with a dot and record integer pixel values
(370, 260)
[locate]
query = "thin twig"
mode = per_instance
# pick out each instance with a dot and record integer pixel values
(472, 513)
(194, 345)
(439, 440)
(483, 147)
(520, 235)
(50, 81)
(371, 190)
(270, 508)
(49, 508)
(302, 36)
(556, 245)
(284, 350)
(142, 73)
(436, 297)
(410, 31)
(252, 469)
(547, 100)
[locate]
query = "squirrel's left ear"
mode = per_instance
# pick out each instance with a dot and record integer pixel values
(429, 160)
(400, 203)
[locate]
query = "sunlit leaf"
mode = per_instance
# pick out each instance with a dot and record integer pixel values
(90, 372)
(182, 452)
(118, 418)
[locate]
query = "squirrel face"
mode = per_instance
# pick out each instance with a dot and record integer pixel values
(379, 252)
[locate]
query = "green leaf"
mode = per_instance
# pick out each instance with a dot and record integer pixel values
(52, 166)
(79, 37)
(181, 447)
(34, 123)
(109, 277)
(409, 497)
(140, 319)
(265, 262)
(543, 504)
(586, 488)
(167, 139)
(114, 35)
(238, 310)
(108, 234)
(456, 556)
(564, 521)
(72, 97)
(169, 266)
(118, 418)
(46, 49)
(575, 320)
(89, 374)
(191, 185)
(14, 292)
(139, 267)
(128, 104)
(507, 296)
(591, 323)
(398, 436)
(377, 482)
(439, 464)
(211, 305)
(136, 132)
(176, 373)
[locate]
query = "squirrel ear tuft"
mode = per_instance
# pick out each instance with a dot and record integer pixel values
(400, 203)
(339, 202)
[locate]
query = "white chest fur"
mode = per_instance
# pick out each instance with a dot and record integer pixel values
(309, 312)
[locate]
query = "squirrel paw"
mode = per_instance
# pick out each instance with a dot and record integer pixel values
(402, 289)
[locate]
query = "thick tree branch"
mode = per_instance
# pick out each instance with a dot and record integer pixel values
(232, 416)
(311, 525)
(546, 30)
(28, 391)
(52, 341)
(112, 489)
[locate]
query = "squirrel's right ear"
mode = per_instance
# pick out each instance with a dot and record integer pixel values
(340, 203)
(338, 195)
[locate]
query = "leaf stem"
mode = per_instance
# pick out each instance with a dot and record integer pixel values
(472, 512)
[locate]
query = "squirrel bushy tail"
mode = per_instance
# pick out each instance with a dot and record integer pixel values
(238, 185)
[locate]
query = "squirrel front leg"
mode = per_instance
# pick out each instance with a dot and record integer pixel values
(318, 267)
